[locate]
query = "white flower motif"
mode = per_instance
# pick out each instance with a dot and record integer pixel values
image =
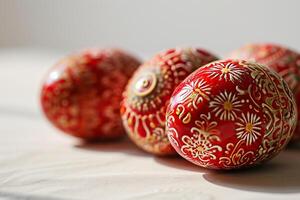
(194, 92)
(228, 71)
(248, 128)
(226, 105)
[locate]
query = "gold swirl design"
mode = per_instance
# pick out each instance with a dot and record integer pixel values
(236, 156)
(171, 132)
(273, 108)
(185, 117)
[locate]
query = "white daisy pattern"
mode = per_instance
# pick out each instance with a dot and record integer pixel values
(194, 93)
(227, 71)
(248, 127)
(226, 105)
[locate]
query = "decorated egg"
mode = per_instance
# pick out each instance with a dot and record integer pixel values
(283, 60)
(148, 92)
(231, 114)
(81, 94)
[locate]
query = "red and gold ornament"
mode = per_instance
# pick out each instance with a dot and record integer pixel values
(231, 114)
(281, 59)
(148, 92)
(81, 94)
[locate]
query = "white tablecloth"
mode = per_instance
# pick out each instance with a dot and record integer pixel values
(37, 162)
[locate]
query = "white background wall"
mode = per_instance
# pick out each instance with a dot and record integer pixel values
(146, 26)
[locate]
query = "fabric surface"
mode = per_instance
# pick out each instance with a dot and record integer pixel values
(38, 162)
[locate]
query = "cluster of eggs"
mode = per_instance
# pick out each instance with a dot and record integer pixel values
(219, 114)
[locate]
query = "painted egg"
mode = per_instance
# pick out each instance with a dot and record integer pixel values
(231, 114)
(148, 92)
(283, 60)
(81, 94)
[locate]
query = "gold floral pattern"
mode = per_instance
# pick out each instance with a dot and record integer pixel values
(201, 144)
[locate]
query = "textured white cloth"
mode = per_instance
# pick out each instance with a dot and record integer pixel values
(37, 162)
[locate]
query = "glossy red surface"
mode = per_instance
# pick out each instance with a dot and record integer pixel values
(283, 60)
(81, 94)
(231, 114)
(148, 92)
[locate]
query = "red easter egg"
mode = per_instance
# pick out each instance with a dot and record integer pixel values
(81, 94)
(230, 114)
(148, 92)
(283, 60)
